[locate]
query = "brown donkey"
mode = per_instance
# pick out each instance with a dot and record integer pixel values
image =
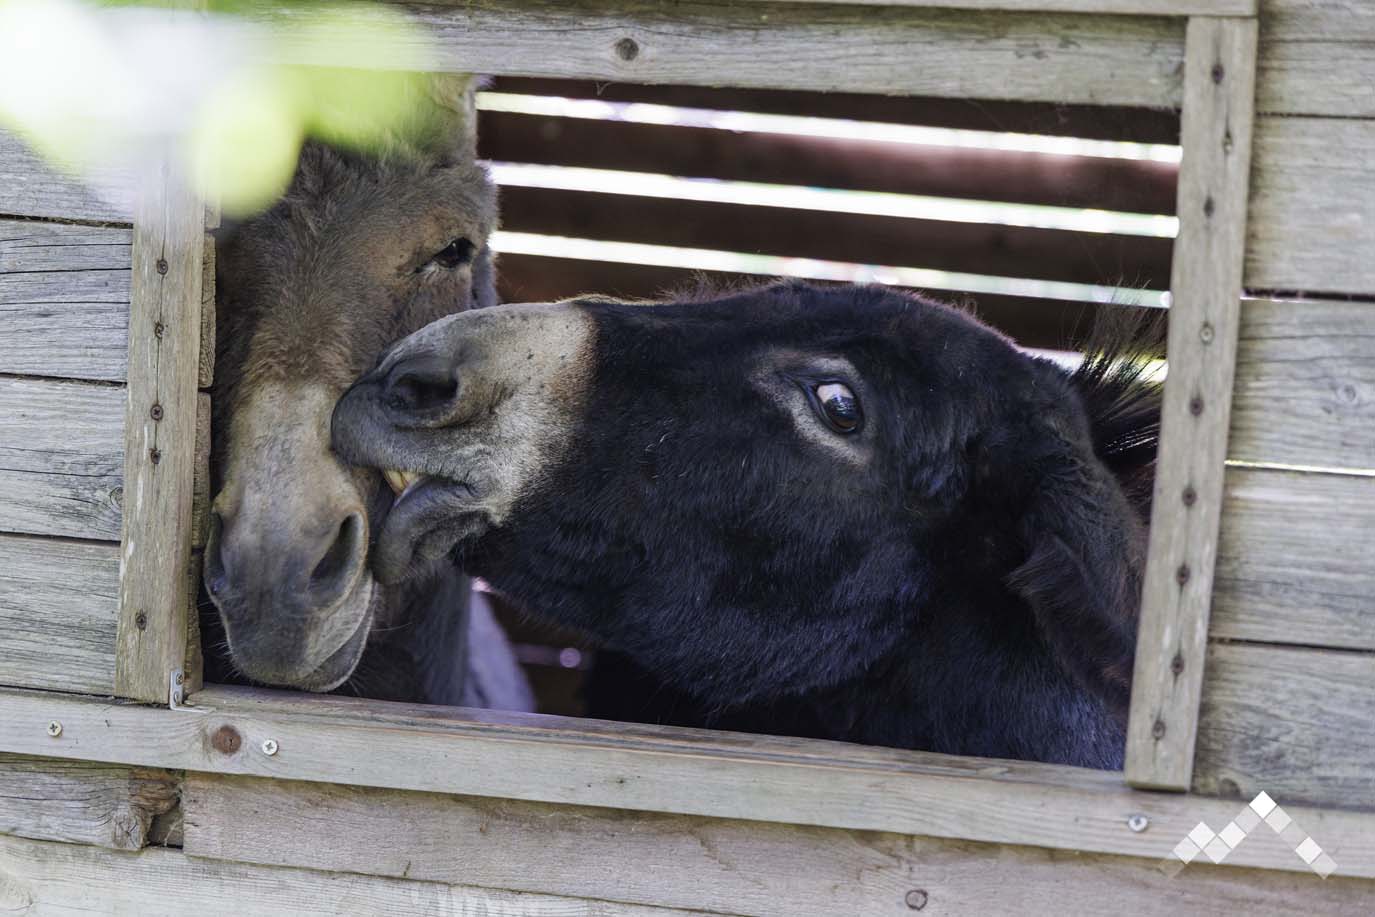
(359, 252)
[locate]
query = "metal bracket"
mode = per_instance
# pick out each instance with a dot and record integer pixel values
(176, 689)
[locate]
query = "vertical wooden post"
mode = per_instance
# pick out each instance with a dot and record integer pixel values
(160, 433)
(1214, 180)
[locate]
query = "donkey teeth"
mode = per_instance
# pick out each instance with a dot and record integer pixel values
(401, 481)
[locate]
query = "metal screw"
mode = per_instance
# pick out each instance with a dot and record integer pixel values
(1158, 730)
(162, 265)
(1196, 405)
(1218, 73)
(154, 455)
(158, 328)
(627, 49)
(155, 412)
(141, 620)
(916, 899)
(269, 747)
(1182, 574)
(1208, 206)
(180, 677)
(1177, 664)
(1138, 822)
(1190, 496)
(54, 729)
(1205, 334)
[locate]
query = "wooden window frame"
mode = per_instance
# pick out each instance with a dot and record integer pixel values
(546, 759)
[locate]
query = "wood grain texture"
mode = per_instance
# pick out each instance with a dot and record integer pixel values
(720, 865)
(41, 877)
(59, 602)
(1110, 7)
(205, 369)
(1216, 136)
(1292, 722)
(545, 759)
(1315, 58)
(80, 802)
(64, 300)
(160, 434)
(966, 54)
(1295, 559)
(1305, 385)
(61, 458)
(1312, 206)
(29, 187)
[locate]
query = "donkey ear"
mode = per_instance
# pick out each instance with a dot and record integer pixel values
(452, 115)
(1081, 576)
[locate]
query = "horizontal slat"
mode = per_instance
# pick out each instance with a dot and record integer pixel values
(717, 864)
(31, 188)
(1143, 125)
(1049, 323)
(64, 300)
(81, 802)
(1295, 723)
(1315, 58)
(688, 772)
(1312, 206)
(1295, 559)
(42, 877)
(1111, 7)
(984, 55)
(59, 601)
(1305, 384)
(828, 162)
(61, 458)
(976, 248)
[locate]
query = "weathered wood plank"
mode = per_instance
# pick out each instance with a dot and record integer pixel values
(545, 759)
(1315, 58)
(965, 54)
(160, 434)
(205, 370)
(81, 802)
(724, 865)
(1295, 559)
(1216, 134)
(42, 877)
(1293, 722)
(61, 458)
(1305, 384)
(1108, 7)
(58, 606)
(64, 300)
(31, 188)
(1312, 206)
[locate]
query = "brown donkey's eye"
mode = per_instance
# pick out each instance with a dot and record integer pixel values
(838, 407)
(455, 254)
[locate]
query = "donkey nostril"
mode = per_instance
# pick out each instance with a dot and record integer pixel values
(423, 385)
(336, 568)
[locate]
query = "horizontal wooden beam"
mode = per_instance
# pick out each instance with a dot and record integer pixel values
(31, 187)
(976, 248)
(1108, 7)
(1294, 560)
(82, 802)
(829, 162)
(1106, 60)
(59, 601)
(1292, 721)
(721, 865)
(49, 878)
(654, 769)
(1097, 122)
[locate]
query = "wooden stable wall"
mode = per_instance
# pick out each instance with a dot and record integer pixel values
(260, 802)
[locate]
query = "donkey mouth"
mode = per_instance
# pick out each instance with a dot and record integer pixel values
(427, 518)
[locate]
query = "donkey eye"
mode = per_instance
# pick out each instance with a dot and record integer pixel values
(838, 407)
(456, 253)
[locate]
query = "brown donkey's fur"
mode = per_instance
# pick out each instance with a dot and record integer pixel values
(360, 251)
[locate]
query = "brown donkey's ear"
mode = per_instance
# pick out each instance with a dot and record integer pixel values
(1084, 563)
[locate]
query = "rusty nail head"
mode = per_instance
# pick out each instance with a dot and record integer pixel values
(226, 740)
(1196, 405)
(155, 412)
(162, 265)
(916, 899)
(1218, 73)
(1138, 822)
(54, 728)
(269, 747)
(1190, 496)
(1209, 206)
(1158, 730)
(141, 620)
(1177, 664)
(154, 455)
(1182, 574)
(627, 49)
